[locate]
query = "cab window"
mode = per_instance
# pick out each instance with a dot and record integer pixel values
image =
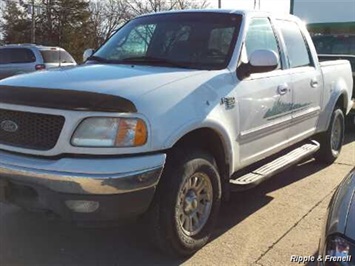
(297, 48)
(261, 35)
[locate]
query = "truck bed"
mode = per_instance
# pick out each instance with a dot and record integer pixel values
(324, 60)
(331, 70)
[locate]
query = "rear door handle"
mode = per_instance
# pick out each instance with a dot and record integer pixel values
(282, 89)
(314, 83)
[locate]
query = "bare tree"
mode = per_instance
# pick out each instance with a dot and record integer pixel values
(106, 17)
(139, 7)
(191, 4)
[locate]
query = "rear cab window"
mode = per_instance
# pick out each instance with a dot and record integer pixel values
(298, 52)
(16, 56)
(56, 56)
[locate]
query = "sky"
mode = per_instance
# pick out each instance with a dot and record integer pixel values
(278, 6)
(310, 11)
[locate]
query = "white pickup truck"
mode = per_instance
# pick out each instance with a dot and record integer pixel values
(173, 112)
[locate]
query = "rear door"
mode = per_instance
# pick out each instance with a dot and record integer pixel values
(14, 61)
(306, 84)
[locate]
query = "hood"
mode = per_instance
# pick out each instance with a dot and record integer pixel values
(119, 80)
(95, 87)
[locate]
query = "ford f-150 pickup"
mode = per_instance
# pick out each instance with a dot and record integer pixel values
(168, 116)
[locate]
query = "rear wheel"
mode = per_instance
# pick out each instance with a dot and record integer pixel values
(187, 202)
(331, 141)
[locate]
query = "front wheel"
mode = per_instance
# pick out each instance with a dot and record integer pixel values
(187, 202)
(331, 141)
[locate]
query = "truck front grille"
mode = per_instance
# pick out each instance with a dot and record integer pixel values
(30, 130)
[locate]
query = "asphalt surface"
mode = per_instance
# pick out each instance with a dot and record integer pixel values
(264, 226)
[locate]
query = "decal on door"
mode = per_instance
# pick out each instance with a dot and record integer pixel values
(280, 109)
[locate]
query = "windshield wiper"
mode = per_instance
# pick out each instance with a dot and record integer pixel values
(154, 60)
(147, 60)
(97, 59)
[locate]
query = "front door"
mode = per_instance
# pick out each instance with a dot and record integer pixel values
(264, 100)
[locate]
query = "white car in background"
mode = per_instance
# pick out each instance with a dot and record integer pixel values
(24, 58)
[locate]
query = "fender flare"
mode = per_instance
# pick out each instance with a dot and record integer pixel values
(325, 116)
(214, 125)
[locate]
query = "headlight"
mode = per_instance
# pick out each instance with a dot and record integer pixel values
(339, 252)
(110, 132)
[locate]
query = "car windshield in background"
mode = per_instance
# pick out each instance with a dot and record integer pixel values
(335, 44)
(16, 55)
(188, 40)
(56, 56)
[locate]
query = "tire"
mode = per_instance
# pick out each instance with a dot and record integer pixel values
(177, 201)
(331, 141)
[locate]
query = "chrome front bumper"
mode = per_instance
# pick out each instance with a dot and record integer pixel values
(85, 176)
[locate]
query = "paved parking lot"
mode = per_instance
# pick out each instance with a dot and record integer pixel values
(263, 226)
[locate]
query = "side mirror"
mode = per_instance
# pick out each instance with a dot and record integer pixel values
(263, 61)
(260, 61)
(87, 53)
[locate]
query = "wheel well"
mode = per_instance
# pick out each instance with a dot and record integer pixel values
(341, 103)
(209, 140)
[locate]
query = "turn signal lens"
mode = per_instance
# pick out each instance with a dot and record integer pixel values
(141, 134)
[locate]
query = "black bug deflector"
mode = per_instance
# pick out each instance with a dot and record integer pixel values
(65, 99)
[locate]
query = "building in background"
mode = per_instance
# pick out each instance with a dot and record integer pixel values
(325, 11)
(322, 16)
(326, 16)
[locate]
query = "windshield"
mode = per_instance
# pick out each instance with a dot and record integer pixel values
(193, 40)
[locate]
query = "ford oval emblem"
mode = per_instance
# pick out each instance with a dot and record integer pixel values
(8, 126)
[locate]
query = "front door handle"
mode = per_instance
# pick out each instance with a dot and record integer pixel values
(282, 89)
